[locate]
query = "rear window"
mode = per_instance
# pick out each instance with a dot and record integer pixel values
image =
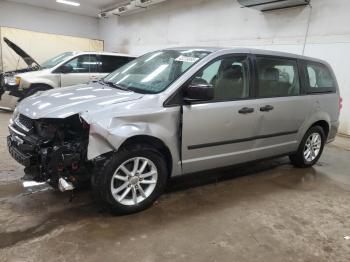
(319, 78)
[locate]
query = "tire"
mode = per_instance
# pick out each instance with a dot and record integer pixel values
(302, 158)
(108, 178)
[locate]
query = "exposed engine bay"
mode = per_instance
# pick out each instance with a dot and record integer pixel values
(32, 65)
(51, 149)
(4, 76)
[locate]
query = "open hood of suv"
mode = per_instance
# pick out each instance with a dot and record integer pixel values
(19, 51)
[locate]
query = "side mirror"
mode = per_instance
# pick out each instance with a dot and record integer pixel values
(198, 92)
(65, 69)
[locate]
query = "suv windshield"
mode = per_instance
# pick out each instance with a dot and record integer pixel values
(56, 60)
(154, 72)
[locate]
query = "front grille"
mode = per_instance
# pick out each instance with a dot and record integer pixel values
(25, 121)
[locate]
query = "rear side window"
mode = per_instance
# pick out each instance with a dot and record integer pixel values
(111, 63)
(277, 77)
(319, 78)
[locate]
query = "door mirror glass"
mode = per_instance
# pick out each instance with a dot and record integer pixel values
(198, 92)
(65, 69)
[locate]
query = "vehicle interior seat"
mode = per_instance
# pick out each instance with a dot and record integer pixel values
(270, 84)
(230, 85)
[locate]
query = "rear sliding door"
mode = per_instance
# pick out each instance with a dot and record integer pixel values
(282, 109)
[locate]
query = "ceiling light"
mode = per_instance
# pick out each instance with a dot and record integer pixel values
(68, 2)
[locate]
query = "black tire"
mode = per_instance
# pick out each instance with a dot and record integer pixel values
(298, 159)
(102, 177)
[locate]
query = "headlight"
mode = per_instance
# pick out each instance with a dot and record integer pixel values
(15, 114)
(12, 80)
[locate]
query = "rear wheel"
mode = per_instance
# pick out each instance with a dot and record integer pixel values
(310, 148)
(131, 180)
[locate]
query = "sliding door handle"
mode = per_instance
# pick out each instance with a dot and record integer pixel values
(246, 110)
(266, 108)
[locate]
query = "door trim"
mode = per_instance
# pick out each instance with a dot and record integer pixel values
(220, 143)
(236, 153)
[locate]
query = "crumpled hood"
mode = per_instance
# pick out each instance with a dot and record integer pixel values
(64, 102)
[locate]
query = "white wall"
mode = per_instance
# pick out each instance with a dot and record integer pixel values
(225, 23)
(47, 21)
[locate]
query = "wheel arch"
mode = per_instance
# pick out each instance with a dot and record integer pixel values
(152, 142)
(40, 85)
(324, 125)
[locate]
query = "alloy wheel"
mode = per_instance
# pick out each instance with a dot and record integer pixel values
(312, 147)
(134, 181)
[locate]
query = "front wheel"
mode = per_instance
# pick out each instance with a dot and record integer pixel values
(131, 180)
(310, 148)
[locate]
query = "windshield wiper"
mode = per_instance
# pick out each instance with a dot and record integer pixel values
(113, 85)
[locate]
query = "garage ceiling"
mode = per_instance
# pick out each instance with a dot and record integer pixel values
(87, 7)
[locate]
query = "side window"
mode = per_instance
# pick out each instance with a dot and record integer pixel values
(277, 77)
(111, 63)
(84, 64)
(319, 79)
(229, 77)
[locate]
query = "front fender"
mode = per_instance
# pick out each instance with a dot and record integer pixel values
(27, 83)
(109, 135)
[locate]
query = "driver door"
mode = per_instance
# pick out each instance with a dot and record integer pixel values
(220, 132)
(81, 67)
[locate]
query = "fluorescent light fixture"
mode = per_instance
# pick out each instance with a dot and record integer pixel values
(68, 2)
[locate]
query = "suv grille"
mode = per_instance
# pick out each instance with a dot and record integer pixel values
(25, 121)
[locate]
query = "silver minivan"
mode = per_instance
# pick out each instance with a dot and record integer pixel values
(173, 112)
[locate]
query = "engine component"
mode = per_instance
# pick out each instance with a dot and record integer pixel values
(51, 149)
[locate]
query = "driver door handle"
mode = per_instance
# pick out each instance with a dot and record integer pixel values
(246, 110)
(266, 108)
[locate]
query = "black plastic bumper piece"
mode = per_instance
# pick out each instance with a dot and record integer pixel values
(25, 159)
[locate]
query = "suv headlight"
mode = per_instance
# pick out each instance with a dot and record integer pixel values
(12, 80)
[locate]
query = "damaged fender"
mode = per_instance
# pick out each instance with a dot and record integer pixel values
(109, 136)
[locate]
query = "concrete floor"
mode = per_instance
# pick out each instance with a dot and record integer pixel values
(265, 212)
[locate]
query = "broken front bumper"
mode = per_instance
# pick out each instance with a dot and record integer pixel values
(21, 146)
(46, 159)
(24, 158)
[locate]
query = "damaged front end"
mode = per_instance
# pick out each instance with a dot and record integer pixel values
(8, 82)
(52, 150)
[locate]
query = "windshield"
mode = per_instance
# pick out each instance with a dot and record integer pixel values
(56, 60)
(154, 72)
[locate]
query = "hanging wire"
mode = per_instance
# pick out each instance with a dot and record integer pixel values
(307, 28)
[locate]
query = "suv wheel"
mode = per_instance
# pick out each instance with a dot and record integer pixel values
(310, 148)
(131, 180)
